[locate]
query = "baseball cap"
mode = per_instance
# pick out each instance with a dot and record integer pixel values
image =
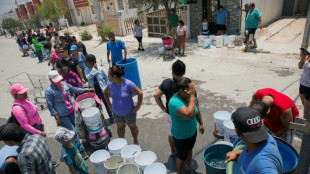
(63, 134)
(90, 58)
(249, 122)
(54, 76)
(111, 34)
(73, 48)
(251, 3)
(18, 88)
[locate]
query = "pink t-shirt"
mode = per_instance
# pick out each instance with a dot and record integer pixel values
(27, 117)
(67, 101)
(55, 56)
(181, 30)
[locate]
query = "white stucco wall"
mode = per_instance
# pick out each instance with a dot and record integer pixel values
(271, 10)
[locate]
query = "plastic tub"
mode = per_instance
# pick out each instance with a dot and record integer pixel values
(98, 158)
(145, 158)
(116, 145)
(219, 118)
(155, 168)
(128, 169)
(130, 152)
(113, 163)
(131, 70)
(92, 119)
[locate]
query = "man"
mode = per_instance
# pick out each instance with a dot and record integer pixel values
(41, 38)
(81, 47)
(55, 40)
(261, 154)
(29, 38)
(79, 56)
(67, 37)
(68, 61)
(37, 48)
(221, 16)
(252, 22)
(34, 156)
(282, 111)
(8, 159)
(173, 20)
(115, 48)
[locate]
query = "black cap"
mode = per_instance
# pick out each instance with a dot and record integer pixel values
(11, 132)
(90, 58)
(249, 122)
(110, 33)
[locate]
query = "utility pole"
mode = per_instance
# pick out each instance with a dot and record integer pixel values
(98, 12)
(305, 41)
(21, 15)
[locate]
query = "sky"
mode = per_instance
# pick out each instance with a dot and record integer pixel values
(7, 5)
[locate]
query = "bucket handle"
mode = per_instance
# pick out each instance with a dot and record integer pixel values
(121, 161)
(134, 152)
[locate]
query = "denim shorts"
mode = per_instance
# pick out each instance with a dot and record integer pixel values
(128, 119)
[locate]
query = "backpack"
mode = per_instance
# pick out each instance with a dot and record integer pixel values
(12, 118)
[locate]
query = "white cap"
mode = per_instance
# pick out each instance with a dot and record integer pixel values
(54, 76)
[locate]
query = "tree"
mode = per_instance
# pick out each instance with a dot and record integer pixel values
(9, 24)
(51, 10)
(154, 4)
(35, 20)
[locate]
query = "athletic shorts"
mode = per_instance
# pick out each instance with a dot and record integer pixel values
(220, 27)
(139, 39)
(168, 118)
(128, 119)
(249, 33)
(184, 145)
(304, 90)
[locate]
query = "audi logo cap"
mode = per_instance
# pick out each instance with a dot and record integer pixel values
(249, 122)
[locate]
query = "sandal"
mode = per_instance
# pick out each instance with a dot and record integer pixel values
(172, 156)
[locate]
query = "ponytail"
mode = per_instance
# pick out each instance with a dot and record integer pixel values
(117, 71)
(183, 83)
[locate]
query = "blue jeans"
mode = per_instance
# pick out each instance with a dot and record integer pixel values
(100, 95)
(69, 123)
(40, 55)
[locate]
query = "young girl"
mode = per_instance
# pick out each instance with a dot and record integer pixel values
(204, 27)
(137, 32)
(181, 32)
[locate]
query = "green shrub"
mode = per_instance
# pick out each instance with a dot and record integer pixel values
(104, 31)
(85, 35)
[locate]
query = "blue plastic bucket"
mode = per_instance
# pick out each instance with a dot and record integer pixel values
(288, 153)
(131, 70)
(216, 153)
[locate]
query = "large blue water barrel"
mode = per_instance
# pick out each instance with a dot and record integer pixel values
(214, 158)
(288, 153)
(131, 70)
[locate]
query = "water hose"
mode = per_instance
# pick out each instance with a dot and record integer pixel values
(230, 164)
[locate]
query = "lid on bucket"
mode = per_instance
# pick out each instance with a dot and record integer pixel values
(90, 112)
(87, 103)
(222, 115)
(130, 151)
(155, 168)
(99, 156)
(146, 158)
(229, 124)
(117, 144)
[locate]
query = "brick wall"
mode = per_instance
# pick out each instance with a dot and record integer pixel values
(195, 18)
(234, 15)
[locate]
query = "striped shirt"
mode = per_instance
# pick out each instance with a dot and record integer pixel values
(34, 156)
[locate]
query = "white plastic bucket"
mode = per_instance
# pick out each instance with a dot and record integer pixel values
(130, 152)
(213, 39)
(116, 145)
(161, 50)
(86, 103)
(145, 158)
(230, 134)
(200, 40)
(219, 118)
(219, 41)
(128, 169)
(156, 168)
(239, 40)
(98, 158)
(79, 127)
(231, 41)
(113, 163)
(225, 40)
(207, 43)
(31, 54)
(92, 119)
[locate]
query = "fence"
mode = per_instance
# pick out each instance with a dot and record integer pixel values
(158, 23)
(130, 23)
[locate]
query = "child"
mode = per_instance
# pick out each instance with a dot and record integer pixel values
(37, 48)
(181, 33)
(137, 33)
(69, 152)
(71, 78)
(204, 27)
(55, 56)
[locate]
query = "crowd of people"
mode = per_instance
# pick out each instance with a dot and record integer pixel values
(269, 112)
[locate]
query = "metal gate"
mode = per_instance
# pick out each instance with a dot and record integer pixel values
(208, 8)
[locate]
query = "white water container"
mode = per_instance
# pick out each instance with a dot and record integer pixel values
(231, 41)
(113, 163)
(92, 119)
(230, 134)
(145, 158)
(98, 158)
(225, 40)
(155, 168)
(239, 40)
(213, 39)
(128, 169)
(219, 41)
(219, 118)
(86, 103)
(207, 43)
(115, 146)
(130, 152)
(200, 40)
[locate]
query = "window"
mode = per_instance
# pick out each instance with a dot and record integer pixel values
(78, 12)
(120, 4)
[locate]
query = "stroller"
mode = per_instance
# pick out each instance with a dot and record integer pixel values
(98, 140)
(168, 44)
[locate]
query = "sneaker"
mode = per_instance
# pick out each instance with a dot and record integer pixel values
(139, 49)
(84, 155)
(112, 120)
(55, 164)
(142, 49)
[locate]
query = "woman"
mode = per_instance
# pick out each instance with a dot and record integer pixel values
(25, 112)
(137, 33)
(184, 114)
(58, 100)
(168, 88)
(122, 107)
(55, 56)
(304, 88)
